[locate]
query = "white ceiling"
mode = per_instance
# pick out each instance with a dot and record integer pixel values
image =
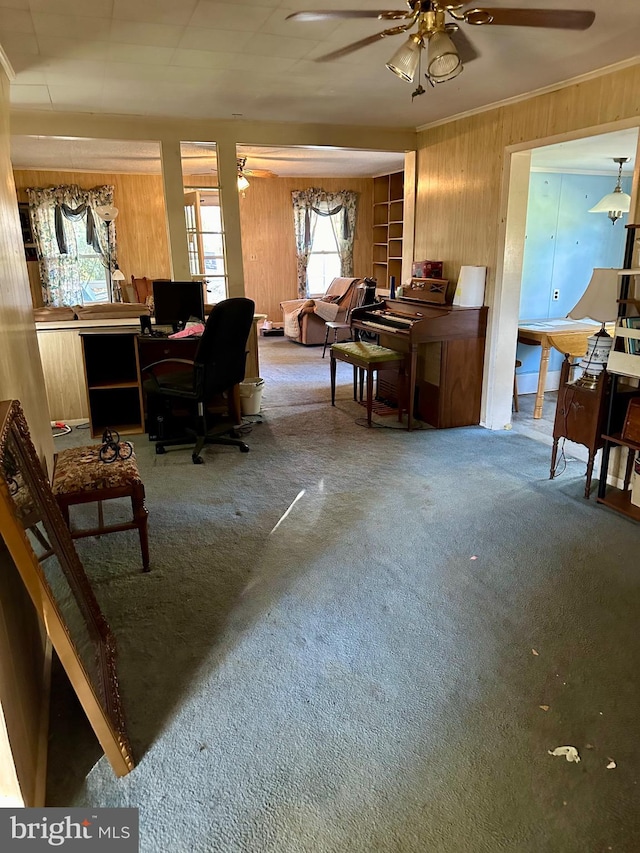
(210, 59)
(591, 155)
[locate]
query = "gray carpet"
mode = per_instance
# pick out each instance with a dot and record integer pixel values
(358, 675)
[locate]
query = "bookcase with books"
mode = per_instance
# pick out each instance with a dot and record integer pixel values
(624, 368)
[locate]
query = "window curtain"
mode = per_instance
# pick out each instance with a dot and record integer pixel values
(341, 207)
(56, 245)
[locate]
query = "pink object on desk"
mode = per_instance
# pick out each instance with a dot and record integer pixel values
(192, 332)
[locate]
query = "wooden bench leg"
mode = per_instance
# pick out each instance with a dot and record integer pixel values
(333, 380)
(326, 340)
(369, 395)
(140, 516)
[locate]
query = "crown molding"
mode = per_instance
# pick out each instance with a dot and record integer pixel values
(545, 90)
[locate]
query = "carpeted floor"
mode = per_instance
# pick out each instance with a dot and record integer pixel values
(334, 648)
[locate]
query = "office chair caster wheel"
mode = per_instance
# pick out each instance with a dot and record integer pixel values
(244, 448)
(197, 460)
(160, 450)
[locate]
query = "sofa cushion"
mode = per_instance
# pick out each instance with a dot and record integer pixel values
(52, 313)
(111, 310)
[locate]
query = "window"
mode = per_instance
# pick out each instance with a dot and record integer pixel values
(324, 259)
(205, 236)
(90, 271)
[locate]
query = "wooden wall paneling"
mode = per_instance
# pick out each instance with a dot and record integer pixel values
(268, 242)
(23, 675)
(61, 354)
(460, 177)
(24, 690)
(143, 248)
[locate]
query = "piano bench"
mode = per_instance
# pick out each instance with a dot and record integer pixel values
(368, 358)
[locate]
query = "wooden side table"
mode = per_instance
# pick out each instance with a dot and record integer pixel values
(580, 417)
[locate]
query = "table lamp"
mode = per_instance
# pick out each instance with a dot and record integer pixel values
(116, 277)
(598, 302)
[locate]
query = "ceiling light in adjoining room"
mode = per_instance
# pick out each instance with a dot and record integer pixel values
(616, 203)
(404, 61)
(443, 60)
(243, 183)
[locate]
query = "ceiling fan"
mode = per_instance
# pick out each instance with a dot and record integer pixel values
(243, 172)
(446, 44)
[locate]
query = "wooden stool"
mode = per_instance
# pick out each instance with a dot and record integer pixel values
(79, 476)
(368, 358)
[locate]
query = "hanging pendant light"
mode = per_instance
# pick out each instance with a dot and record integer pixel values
(616, 203)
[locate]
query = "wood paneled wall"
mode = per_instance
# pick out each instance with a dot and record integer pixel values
(460, 164)
(268, 240)
(23, 692)
(268, 243)
(141, 224)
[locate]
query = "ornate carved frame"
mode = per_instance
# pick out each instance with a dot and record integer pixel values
(101, 702)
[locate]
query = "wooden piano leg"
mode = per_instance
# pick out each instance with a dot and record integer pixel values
(413, 365)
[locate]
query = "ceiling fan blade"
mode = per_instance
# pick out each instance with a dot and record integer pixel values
(334, 14)
(552, 18)
(466, 50)
(356, 45)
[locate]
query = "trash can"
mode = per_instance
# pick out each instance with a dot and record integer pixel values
(251, 396)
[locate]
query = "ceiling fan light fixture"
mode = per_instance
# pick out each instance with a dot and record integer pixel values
(243, 183)
(616, 203)
(443, 61)
(404, 61)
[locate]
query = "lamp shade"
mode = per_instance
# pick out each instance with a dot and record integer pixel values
(616, 200)
(117, 275)
(600, 299)
(443, 60)
(405, 60)
(106, 212)
(243, 183)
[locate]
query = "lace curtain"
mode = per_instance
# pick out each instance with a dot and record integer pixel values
(341, 208)
(56, 244)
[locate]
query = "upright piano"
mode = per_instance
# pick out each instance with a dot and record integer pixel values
(445, 353)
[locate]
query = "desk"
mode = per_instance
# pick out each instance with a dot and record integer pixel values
(567, 336)
(61, 353)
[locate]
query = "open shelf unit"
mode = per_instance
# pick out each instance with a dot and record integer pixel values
(113, 385)
(622, 363)
(388, 220)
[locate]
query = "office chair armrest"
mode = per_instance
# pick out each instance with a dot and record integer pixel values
(168, 361)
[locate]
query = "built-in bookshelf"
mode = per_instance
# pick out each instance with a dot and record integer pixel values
(624, 367)
(388, 223)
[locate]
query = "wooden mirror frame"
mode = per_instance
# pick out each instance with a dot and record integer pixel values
(101, 702)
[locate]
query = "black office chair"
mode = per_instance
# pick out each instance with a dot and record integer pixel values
(217, 368)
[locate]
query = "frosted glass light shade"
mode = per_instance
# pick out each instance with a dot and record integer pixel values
(243, 183)
(106, 212)
(600, 299)
(443, 60)
(117, 275)
(613, 201)
(405, 60)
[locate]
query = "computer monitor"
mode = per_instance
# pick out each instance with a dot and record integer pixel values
(176, 301)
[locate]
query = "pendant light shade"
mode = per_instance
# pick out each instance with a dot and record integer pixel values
(616, 203)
